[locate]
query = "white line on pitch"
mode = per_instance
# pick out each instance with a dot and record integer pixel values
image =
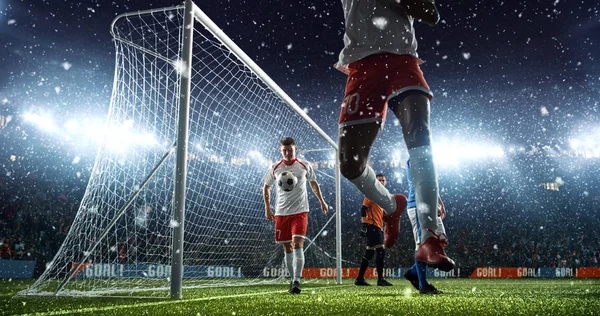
(115, 307)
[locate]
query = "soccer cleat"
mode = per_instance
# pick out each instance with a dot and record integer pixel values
(412, 278)
(295, 288)
(361, 282)
(383, 282)
(291, 286)
(432, 253)
(392, 222)
(430, 289)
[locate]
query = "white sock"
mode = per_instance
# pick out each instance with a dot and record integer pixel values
(299, 263)
(289, 263)
(424, 178)
(414, 222)
(368, 185)
(440, 226)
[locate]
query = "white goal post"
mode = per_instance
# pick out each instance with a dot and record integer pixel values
(175, 195)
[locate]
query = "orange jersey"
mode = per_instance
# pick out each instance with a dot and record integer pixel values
(374, 214)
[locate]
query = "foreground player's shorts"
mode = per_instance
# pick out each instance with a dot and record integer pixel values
(374, 80)
(287, 227)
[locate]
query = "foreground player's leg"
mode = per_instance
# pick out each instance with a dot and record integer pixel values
(412, 111)
(355, 143)
(424, 286)
(417, 274)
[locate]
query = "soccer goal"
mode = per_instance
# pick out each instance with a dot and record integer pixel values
(175, 196)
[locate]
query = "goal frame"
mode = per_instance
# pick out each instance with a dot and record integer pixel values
(183, 63)
(193, 13)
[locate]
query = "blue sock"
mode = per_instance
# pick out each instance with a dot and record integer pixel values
(413, 269)
(421, 273)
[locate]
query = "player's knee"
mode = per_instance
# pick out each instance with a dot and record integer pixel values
(417, 134)
(352, 168)
(298, 243)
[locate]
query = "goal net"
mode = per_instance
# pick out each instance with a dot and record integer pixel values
(121, 239)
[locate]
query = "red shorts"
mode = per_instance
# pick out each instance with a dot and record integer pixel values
(287, 227)
(374, 80)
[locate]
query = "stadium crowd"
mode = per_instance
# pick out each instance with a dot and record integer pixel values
(37, 209)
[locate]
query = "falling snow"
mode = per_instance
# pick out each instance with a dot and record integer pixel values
(514, 111)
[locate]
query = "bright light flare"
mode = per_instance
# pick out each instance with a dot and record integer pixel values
(587, 146)
(257, 156)
(118, 137)
(41, 121)
(453, 153)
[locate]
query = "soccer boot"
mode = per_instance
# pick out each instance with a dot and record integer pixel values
(383, 282)
(430, 289)
(392, 222)
(412, 278)
(361, 282)
(295, 288)
(431, 251)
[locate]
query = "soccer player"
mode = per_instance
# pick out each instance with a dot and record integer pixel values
(372, 227)
(291, 208)
(380, 58)
(417, 274)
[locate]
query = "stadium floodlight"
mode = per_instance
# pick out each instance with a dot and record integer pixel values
(451, 153)
(587, 146)
(575, 143)
(258, 157)
(43, 122)
(157, 221)
(72, 126)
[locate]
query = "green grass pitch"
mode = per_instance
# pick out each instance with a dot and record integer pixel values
(462, 297)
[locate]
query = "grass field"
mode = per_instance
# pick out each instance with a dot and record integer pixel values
(462, 297)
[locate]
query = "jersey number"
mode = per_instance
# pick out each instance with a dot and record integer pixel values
(351, 103)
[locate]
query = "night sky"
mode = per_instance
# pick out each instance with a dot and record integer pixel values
(519, 74)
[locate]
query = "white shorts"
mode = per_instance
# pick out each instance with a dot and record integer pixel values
(414, 221)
